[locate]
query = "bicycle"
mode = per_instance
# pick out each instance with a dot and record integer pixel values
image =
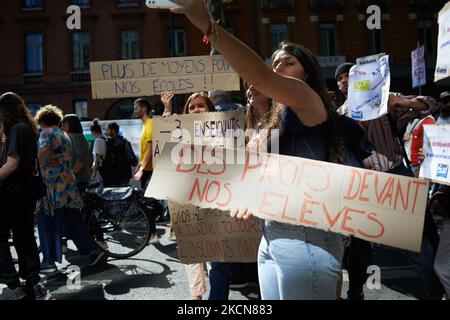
(118, 217)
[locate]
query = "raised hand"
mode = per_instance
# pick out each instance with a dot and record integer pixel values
(166, 99)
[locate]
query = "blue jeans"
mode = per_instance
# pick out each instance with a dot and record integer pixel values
(50, 236)
(298, 263)
(219, 280)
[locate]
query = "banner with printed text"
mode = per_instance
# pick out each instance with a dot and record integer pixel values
(374, 206)
(436, 146)
(369, 85)
(134, 78)
(443, 56)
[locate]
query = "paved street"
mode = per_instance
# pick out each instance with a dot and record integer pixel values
(157, 274)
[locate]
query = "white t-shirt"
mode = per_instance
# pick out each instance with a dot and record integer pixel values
(100, 149)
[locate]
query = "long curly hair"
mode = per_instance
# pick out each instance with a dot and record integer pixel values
(337, 152)
(13, 111)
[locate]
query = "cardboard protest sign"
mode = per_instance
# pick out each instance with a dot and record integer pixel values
(205, 235)
(436, 146)
(418, 70)
(132, 78)
(368, 91)
(443, 56)
(375, 206)
(212, 129)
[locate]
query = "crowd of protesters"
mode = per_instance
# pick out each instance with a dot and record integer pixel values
(294, 262)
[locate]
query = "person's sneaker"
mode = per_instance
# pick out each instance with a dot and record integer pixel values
(154, 239)
(237, 281)
(139, 240)
(238, 285)
(98, 259)
(47, 269)
(172, 236)
(17, 294)
(40, 292)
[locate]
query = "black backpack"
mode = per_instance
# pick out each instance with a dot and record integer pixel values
(116, 166)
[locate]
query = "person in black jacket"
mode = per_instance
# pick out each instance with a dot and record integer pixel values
(17, 167)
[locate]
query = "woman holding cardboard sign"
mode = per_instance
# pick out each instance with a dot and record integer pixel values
(196, 103)
(294, 262)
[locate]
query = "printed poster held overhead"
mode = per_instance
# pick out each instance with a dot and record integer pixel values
(436, 146)
(369, 85)
(443, 56)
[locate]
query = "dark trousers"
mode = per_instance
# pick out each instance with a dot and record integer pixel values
(18, 216)
(423, 261)
(219, 280)
(357, 257)
(146, 176)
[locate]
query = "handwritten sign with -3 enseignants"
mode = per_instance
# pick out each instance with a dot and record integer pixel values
(374, 206)
(205, 235)
(132, 78)
(216, 129)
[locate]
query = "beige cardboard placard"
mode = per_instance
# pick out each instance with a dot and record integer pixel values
(205, 235)
(374, 206)
(147, 77)
(202, 129)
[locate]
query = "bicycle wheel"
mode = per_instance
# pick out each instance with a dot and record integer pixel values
(120, 236)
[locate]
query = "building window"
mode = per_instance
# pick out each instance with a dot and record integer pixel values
(128, 2)
(34, 62)
(81, 3)
(80, 51)
(33, 4)
(425, 37)
(327, 39)
(278, 33)
(80, 108)
(374, 41)
(180, 43)
(129, 44)
(34, 107)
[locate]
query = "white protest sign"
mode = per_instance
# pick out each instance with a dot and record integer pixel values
(219, 129)
(443, 56)
(133, 78)
(418, 70)
(436, 146)
(205, 235)
(369, 85)
(374, 206)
